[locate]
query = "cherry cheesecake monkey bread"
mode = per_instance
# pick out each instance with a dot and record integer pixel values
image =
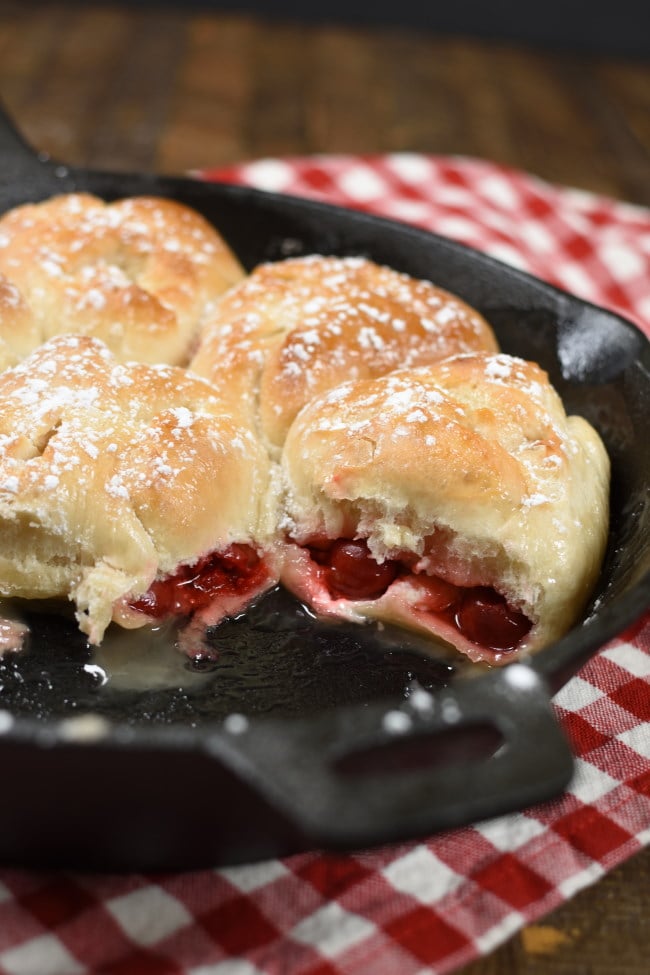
(176, 436)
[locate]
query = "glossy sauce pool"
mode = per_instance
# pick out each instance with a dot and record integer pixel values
(275, 660)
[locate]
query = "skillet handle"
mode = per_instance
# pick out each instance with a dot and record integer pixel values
(26, 175)
(362, 776)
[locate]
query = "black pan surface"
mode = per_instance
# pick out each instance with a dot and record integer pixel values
(303, 734)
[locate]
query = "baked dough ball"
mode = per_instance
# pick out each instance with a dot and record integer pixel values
(19, 333)
(457, 499)
(141, 274)
(296, 328)
(128, 490)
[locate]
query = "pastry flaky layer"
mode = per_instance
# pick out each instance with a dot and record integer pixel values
(142, 274)
(296, 328)
(112, 476)
(468, 481)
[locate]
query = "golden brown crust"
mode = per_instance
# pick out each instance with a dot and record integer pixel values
(470, 464)
(296, 328)
(19, 333)
(113, 474)
(141, 274)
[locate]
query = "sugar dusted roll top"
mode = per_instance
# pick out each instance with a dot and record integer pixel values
(457, 499)
(141, 274)
(127, 489)
(296, 328)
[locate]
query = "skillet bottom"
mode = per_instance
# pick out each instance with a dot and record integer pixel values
(274, 661)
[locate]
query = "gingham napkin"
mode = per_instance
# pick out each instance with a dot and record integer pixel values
(425, 907)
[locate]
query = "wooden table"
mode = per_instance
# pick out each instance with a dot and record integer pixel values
(166, 89)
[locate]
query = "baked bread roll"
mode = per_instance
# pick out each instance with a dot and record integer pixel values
(141, 274)
(457, 499)
(129, 490)
(296, 328)
(19, 333)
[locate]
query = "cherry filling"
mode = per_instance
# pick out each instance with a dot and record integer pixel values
(485, 617)
(235, 571)
(353, 573)
(480, 613)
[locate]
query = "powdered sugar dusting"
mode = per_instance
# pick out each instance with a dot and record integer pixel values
(141, 274)
(304, 325)
(91, 451)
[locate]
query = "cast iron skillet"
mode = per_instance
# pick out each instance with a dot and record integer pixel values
(305, 735)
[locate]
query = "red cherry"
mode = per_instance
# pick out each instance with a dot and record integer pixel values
(153, 602)
(354, 574)
(239, 558)
(236, 569)
(434, 594)
(484, 617)
(319, 548)
(210, 577)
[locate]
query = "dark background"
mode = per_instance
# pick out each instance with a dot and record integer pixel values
(621, 27)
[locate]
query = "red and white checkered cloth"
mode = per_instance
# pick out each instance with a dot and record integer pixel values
(424, 907)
